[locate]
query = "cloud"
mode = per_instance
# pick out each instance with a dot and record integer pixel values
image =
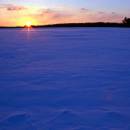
(50, 16)
(84, 10)
(52, 13)
(15, 8)
(11, 7)
(108, 16)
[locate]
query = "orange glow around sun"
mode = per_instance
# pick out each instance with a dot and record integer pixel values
(27, 22)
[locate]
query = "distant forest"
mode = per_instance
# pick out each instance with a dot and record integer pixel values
(125, 23)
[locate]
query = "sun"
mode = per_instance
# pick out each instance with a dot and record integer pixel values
(28, 24)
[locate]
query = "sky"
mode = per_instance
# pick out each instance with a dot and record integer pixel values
(42, 12)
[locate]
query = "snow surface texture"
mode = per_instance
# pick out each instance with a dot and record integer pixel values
(65, 79)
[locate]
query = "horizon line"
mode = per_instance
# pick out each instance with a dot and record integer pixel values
(84, 24)
(56, 24)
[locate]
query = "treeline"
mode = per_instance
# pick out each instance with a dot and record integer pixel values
(125, 23)
(98, 24)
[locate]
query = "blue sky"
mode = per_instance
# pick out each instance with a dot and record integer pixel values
(92, 4)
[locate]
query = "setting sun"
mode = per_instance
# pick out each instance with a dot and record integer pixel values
(28, 24)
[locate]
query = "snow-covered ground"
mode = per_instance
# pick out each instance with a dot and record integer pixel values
(65, 79)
